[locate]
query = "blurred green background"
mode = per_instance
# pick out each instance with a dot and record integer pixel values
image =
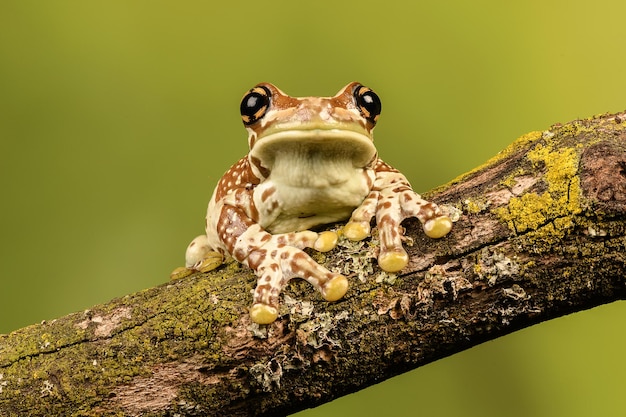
(117, 118)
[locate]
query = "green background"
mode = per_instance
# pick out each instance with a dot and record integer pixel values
(117, 118)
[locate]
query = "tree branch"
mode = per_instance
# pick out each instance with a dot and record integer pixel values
(541, 232)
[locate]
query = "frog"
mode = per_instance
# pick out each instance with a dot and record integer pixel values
(311, 162)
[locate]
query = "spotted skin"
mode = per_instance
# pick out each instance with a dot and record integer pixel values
(312, 162)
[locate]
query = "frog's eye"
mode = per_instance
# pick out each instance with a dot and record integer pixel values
(255, 104)
(368, 103)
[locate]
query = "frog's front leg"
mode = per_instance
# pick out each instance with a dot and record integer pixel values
(276, 259)
(392, 200)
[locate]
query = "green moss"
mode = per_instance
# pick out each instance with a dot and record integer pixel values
(146, 328)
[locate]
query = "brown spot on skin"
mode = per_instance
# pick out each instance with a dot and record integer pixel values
(274, 291)
(259, 166)
(252, 140)
(255, 257)
(238, 254)
(400, 189)
(386, 220)
(263, 289)
(427, 212)
(267, 193)
(387, 204)
(300, 256)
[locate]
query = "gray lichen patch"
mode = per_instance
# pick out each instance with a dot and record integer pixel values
(267, 375)
(355, 258)
(438, 281)
(493, 266)
(515, 292)
(318, 331)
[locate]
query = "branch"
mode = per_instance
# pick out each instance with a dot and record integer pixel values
(541, 232)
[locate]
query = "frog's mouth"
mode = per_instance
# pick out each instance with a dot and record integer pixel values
(314, 150)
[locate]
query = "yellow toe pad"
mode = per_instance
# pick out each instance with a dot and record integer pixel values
(211, 261)
(336, 288)
(438, 227)
(181, 272)
(356, 231)
(326, 241)
(393, 261)
(263, 314)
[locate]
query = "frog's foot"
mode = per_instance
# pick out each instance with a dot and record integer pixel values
(266, 312)
(279, 258)
(198, 258)
(392, 210)
(435, 224)
(211, 261)
(391, 203)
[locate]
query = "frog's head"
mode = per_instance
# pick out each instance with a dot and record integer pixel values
(306, 129)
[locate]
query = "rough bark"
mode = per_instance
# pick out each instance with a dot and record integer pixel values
(540, 233)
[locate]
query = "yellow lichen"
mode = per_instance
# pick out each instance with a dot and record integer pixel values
(547, 215)
(523, 140)
(475, 206)
(528, 212)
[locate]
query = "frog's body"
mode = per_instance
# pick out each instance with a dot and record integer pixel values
(312, 161)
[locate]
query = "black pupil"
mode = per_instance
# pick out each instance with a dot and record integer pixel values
(253, 103)
(371, 102)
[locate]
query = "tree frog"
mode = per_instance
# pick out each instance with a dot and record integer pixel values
(312, 161)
